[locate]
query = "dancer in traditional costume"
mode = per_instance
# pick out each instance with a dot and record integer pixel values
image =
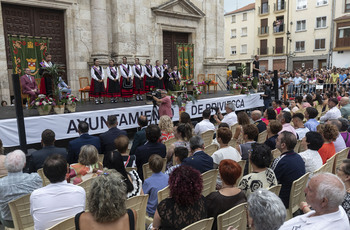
(126, 80)
(46, 86)
(113, 86)
(139, 87)
(158, 76)
(171, 79)
(97, 88)
(165, 69)
(176, 75)
(149, 77)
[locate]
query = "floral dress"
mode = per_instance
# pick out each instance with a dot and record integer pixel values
(79, 172)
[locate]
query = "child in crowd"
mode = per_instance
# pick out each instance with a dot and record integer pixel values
(122, 143)
(157, 181)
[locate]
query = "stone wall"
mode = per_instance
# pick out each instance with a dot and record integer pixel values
(115, 28)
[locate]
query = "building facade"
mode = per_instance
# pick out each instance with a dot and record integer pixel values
(240, 36)
(341, 34)
(272, 20)
(310, 33)
(81, 30)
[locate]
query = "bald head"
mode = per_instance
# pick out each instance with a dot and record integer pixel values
(256, 115)
(344, 101)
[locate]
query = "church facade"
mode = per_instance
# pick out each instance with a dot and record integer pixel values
(81, 30)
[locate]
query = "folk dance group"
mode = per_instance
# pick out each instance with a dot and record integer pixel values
(128, 80)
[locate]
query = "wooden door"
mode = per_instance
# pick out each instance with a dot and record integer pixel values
(263, 47)
(169, 45)
(279, 45)
(41, 22)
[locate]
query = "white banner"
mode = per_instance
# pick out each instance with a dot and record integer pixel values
(65, 125)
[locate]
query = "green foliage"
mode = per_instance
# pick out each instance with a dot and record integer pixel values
(55, 71)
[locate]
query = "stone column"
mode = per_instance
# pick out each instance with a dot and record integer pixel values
(98, 30)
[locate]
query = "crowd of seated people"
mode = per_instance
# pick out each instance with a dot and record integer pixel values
(304, 140)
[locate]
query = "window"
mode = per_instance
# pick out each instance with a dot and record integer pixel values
(321, 22)
(244, 31)
(344, 32)
(263, 47)
(233, 19)
(243, 49)
(233, 33)
(301, 25)
(300, 46)
(264, 6)
(244, 16)
(321, 2)
(347, 6)
(280, 5)
(320, 44)
(233, 50)
(301, 4)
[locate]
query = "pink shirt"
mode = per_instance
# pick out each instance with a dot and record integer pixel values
(278, 110)
(165, 107)
(289, 128)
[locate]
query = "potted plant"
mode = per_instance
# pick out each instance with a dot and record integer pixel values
(241, 70)
(71, 103)
(189, 85)
(181, 100)
(43, 104)
(196, 92)
(236, 88)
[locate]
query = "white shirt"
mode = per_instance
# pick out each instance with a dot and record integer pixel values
(286, 109)
(301, 132)
(230, 118)
(109, 75)
(135, 72)
(145, 70)
(339, 143)
(333, 113)
(312, 159)
(93, 73)
(333, 221)
(203, 126)
(122, 71)
(54, 203)
(226, 153)
(155, 72)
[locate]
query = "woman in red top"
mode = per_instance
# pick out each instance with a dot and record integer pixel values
(330, 133)
(276, 105)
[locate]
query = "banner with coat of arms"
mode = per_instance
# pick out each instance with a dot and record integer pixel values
(27, 52)
(185, 60)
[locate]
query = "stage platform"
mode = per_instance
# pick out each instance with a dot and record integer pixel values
(65, 125)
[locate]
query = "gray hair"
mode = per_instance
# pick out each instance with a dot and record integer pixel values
(15, 161)
(257, 113)
(266, 209)
(196, 142)
(344, 124)
(231, 106)
(332, 188)
(335, 122)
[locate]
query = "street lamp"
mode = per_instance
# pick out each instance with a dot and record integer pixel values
(287, 50)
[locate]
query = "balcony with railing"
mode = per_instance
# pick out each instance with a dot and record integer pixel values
(278, 50)
(278, 28)
(263, 51)
(264, 9)
(279, 6)
(264, 30)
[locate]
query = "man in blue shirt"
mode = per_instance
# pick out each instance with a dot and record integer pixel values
(342, 78)
(310, 115)
(199, 159)
(157, 181)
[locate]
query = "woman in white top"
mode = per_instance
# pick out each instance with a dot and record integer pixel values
(224, 136)
(158, 76)
(312, 142)
(113, 86)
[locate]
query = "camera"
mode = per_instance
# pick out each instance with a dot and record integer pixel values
(149, 96)
(216, 109)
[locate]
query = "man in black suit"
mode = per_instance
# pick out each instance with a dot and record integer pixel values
(107, 138)
(39, 156)
(140, 136)
(152, 146)
(84, 139)
(256, 117)
(199, 159)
